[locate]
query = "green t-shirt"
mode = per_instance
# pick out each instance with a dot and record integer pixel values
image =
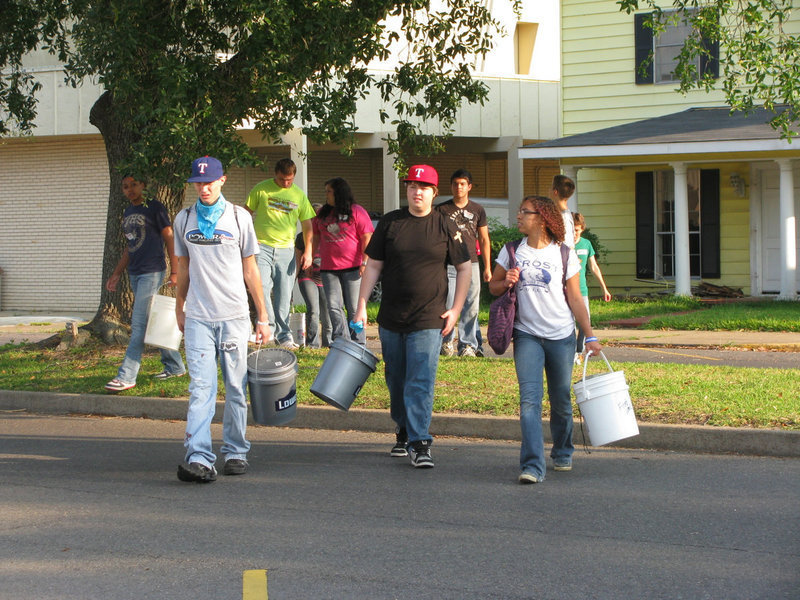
(277, 211)
(585, 251)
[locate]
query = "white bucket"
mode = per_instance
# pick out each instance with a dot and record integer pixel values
(297, 325)
(343, 373)
(162, 324)
(605, 404)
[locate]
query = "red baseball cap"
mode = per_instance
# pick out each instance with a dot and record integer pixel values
(423, 174)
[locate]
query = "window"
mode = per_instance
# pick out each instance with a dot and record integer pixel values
(655, 224)
(657, 57)
(524, 41)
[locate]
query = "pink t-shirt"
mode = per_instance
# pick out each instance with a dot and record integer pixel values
(340, 241)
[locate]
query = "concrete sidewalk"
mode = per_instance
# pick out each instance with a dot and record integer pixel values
(765, 442)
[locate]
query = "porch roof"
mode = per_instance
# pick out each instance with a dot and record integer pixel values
(711, 130)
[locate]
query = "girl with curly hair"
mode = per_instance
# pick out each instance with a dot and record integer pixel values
(548, 303)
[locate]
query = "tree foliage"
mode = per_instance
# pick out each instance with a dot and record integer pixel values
(183, 75)
(759, 55)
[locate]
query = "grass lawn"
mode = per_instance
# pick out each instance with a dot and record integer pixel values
(661, 393)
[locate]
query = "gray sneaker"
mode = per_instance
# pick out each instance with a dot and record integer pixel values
(467, 351)
(421, 456)
(562, 464)
(196, 472)
(399, 448)
(528, 478)
(448, 349)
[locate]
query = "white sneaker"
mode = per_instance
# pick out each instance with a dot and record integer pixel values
(467, 351)
(448, 349)
(289, 345)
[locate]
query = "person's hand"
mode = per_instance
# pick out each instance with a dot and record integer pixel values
(512, 277)
(607, 296)
(487, 275)
(306, 260)
(450, 317)
(111, 284)
(263, 333)
(180, 316)
(593, 347)
(172, 280)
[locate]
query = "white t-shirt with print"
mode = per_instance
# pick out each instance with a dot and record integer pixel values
(542, 308)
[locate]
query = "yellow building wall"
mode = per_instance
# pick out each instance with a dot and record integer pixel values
(598, 71)
(606, 198)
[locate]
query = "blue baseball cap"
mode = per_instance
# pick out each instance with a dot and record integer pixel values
(206, 169)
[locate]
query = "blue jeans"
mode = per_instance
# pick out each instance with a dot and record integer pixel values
(468, 328)
(341, 290)
(532, 355)
(207, 343)
(278, 268)
(410, 361)
(316, 310)
(144, 286)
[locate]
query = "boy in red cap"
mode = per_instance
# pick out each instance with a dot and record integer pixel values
(410, 248)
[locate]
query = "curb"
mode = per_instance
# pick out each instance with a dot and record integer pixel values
(677, 438)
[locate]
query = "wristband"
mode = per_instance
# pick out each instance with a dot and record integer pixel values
(267, 324)
(590, 339)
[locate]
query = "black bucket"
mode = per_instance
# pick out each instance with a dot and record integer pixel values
(271, 379)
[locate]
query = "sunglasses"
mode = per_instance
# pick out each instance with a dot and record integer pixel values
(525, 211)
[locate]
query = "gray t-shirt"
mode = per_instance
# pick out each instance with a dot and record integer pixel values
(217, 290)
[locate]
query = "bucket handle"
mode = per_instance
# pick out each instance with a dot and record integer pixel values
(586, 364)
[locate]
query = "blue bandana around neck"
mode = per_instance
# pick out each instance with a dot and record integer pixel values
(207, 216)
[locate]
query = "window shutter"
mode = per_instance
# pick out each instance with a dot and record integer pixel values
(710, 64)
(643, 41)
(645, 225)
(709, 224)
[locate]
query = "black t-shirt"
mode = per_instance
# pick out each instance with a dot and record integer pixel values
(468, 220)
(415, 252)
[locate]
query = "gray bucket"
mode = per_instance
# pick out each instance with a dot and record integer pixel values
(343, 373)
(271, 376)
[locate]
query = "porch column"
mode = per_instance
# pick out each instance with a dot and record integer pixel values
(391, 183)
(572, 173)
(683, 277)
(515, 180)
(298, 152)
(788, 232)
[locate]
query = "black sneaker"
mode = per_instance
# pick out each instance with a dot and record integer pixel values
(421, 456)
(196, 472)
(399, 448)
(235, 466)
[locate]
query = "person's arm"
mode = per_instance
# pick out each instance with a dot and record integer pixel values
(596, 272)
(368, 280)
(502, 280)
(578, 308)
(486, 252)
(113, 280)
(169, 241)
(463, 280)
(365, 238)
(182, 289)
(252, 279)
(308, 240)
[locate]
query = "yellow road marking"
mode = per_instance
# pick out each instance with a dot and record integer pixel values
(677, 353)
(254, 585)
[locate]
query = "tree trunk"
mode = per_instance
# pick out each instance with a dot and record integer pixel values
(110, 322)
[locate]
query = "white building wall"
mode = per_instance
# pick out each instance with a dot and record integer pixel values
(53, 203)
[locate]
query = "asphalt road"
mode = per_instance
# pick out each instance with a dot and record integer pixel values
(92, 509)
(703, 356)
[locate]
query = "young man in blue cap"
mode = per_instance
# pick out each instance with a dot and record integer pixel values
(411, 248)
(216, 246)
